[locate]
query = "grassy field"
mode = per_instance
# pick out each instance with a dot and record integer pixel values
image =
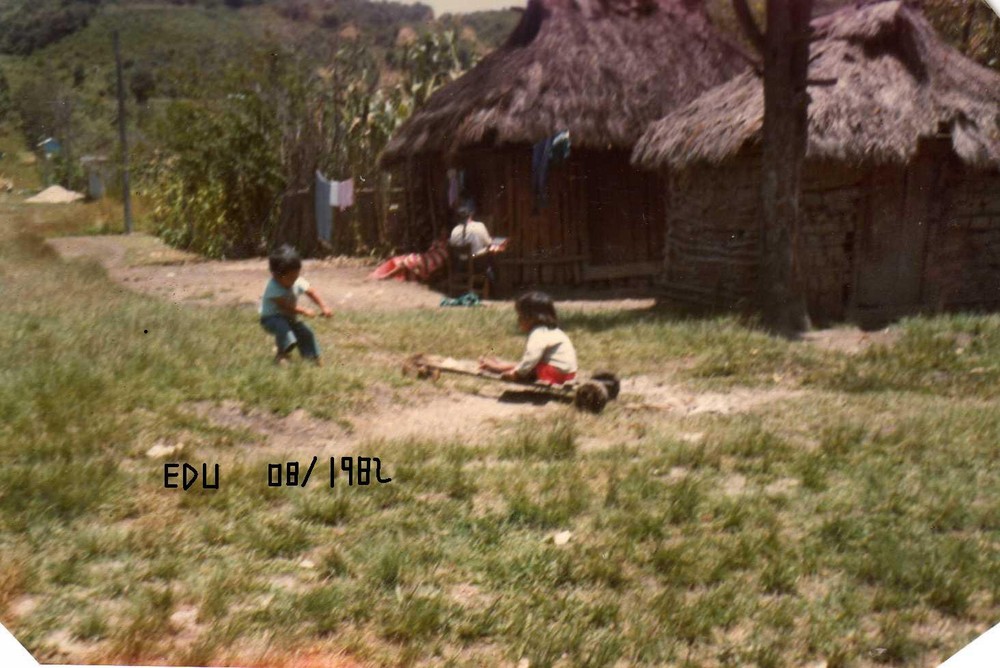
(854, 522)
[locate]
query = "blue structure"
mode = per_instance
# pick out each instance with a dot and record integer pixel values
(50, 147)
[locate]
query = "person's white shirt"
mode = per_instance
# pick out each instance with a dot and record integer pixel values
(551, 346)
(472, 233)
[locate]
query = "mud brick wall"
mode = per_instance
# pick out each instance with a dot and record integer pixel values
(832, 207)
(963, 262)
(711, 248)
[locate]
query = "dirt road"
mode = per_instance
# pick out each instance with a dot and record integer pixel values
(146, 265)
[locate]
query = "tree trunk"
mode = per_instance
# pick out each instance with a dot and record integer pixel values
(786, 63)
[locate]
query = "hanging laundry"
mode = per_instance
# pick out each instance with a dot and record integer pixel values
(456, 186)
(560, 147)
(334, 193)
(346, 194)
(324, 214)
(452, 188)
(554, 149)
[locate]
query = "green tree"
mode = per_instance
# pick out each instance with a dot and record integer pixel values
(228, 160)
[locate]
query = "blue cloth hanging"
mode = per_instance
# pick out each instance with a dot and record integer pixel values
(554, 149)
(324, 213)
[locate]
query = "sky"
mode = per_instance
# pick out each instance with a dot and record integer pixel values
(454, 6)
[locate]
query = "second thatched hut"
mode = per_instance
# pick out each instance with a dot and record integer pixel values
(901, 201)
(600, 70)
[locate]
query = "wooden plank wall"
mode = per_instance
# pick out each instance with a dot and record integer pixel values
(596, 201)
(602, 219)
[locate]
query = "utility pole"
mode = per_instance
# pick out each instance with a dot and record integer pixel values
(122, 136)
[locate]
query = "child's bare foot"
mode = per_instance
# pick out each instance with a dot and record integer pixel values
(317, 361)
(281, 359)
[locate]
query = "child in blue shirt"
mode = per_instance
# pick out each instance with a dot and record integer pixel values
(279, 309)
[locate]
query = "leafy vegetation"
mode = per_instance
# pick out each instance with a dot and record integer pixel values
(225, 163)
(31, 24)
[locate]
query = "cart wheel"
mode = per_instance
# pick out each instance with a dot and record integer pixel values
(609, 381)
(591, 397)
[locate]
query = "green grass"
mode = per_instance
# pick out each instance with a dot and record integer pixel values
(837, 525)
(17, 164)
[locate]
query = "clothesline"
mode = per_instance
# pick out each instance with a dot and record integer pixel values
(330, 194)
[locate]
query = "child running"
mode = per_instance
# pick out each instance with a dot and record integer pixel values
(549, 356)
(279, 309)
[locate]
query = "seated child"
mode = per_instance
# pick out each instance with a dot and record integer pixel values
(279, 309)
(549, 356)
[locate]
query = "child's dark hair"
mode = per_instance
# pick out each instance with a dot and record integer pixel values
(283, 260)
(537, 308)
(464, 212)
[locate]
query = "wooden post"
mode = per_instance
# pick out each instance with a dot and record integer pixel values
(122, 135)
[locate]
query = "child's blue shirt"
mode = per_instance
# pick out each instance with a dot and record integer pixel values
(273, 290)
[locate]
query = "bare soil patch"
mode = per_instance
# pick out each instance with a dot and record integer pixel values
(851, 340)
(144, 264)
(659, 393)
(445, 415)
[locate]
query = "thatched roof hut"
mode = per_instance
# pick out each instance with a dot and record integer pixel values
(900, 189)
(600, 69)
(895, 81)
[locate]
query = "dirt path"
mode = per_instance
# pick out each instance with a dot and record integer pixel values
(145, 265)
(439, 413)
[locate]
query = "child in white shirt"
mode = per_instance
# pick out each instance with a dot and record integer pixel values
(549, 355)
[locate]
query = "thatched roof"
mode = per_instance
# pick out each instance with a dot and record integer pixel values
(895, 82)
(602, 69)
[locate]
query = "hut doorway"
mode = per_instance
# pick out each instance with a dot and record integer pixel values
(893, 241)
(624, 222)
(601, 219)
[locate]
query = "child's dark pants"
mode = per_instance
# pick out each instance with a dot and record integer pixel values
(288, 333)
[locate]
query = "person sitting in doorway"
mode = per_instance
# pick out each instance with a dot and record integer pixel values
(469, 232)
(472, 233)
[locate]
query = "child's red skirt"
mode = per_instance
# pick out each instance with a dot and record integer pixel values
(546, 373)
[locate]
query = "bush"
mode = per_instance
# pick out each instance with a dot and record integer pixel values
(218, 187)
(32, 25)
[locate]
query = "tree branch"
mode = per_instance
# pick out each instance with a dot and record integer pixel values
(749, 25)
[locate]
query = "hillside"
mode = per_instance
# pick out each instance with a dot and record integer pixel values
(58, 65)
(29, 25)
